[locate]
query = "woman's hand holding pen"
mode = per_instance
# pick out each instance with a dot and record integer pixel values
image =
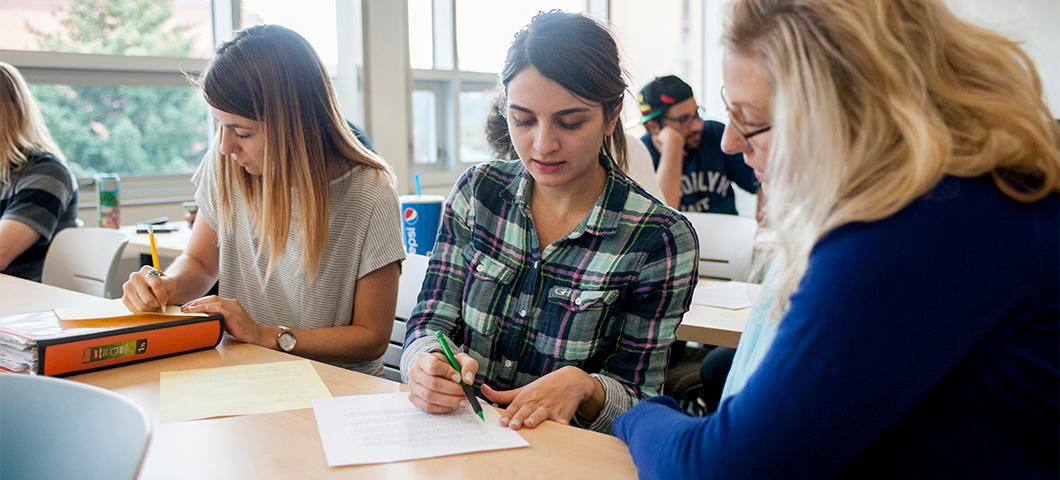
(237, 321)
(434, 386)
(556, 396)
(147, 290)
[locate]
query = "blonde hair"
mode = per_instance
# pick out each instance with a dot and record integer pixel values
(272, 75)
(22, 128)
(875, 101)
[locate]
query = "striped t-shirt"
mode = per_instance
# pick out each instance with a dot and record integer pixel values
(364, 235)
(43, 196)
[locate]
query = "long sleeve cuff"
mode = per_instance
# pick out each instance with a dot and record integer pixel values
(646, 415)
(616, 400)
(426, 343)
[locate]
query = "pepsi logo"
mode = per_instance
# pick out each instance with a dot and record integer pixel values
(411, 216)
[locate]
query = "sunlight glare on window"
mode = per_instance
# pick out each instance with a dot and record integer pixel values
(312, 19)
(485, 28)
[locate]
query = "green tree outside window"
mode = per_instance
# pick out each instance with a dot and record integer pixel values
(125, 130)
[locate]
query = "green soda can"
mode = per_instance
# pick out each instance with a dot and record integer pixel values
(108, 188)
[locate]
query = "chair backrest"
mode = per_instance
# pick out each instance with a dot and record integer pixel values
(84, 259)
(55, 428)
(412, 272)
(726, 243)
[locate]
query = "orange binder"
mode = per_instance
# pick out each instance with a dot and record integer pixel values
(40, 343)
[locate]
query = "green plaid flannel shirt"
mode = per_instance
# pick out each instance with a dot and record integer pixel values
(607, 298)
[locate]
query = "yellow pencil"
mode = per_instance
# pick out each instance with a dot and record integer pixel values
(154, 247)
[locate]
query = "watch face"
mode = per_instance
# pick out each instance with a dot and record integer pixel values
(286, 341)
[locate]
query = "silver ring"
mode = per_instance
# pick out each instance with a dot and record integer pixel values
(154, 272)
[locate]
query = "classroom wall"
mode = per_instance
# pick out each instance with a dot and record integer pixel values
(1033, 23)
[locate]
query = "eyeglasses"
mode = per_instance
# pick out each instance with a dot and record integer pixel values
(687, 120)
(737, 124)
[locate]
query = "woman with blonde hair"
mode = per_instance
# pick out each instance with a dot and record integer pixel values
(38, 193)
(297, 220)
(913, 172)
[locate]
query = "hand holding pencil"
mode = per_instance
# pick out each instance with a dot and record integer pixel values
(148, 289)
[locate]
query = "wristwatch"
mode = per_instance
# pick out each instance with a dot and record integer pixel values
(285, 340)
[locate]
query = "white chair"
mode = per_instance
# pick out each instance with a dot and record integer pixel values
(55, 428)
(413, 270)
(84, 259)
(726, 243)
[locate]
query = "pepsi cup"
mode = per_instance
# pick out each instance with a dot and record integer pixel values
(421, 215)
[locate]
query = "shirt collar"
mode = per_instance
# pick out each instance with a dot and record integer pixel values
(605, 214)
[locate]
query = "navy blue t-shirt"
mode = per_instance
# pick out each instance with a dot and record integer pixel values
(707, 173)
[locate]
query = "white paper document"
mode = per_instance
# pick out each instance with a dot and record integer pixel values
(730, 295)
(363, 429)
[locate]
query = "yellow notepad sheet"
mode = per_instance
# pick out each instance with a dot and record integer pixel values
(115, 309)
(239, 390)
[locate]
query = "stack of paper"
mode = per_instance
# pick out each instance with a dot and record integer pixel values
(730, 295)
(24, 335)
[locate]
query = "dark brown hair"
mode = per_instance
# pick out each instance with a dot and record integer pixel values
(579, 54)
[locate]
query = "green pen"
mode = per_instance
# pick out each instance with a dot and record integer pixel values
(456, 366)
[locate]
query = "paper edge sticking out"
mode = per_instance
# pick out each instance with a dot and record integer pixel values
(111, 309)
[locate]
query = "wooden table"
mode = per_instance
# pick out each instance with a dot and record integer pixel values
(712, 325)
(170, 244)
(287, 444)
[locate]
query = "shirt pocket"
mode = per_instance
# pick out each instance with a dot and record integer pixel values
(487, 291)
(576, 323)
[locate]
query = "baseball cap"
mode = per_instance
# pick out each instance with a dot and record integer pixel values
(660, 94)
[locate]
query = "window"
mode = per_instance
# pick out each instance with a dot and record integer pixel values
(102, 87)
(312, 19)
(126, 130)
(173, 28)
(672, 46)
(424, 118)
(111, 77)
(485, 28)
(456, 50)
(474, 107)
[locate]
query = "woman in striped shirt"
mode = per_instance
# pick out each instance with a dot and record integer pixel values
(38, 194)
(297, 220)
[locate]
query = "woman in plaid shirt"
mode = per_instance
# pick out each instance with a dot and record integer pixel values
(561, 278)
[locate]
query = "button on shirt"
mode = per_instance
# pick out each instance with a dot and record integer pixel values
(607, 298)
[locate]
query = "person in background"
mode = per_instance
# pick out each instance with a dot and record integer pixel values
(694, 173)
(497, 136)
(562, 279)
(918, 221)
(297, 219)
(639, 166)
(38, 192)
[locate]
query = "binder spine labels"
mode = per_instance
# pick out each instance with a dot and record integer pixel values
(108, 348)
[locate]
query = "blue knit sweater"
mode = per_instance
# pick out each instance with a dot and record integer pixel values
(926, 344)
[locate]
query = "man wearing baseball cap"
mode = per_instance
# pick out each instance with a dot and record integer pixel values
(695, 175)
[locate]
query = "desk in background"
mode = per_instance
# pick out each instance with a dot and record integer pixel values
(287, 444)
(170, 244)
(712, 325)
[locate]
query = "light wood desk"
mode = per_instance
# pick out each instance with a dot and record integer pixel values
(287, 444)
(712, 325)
(170, 244)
